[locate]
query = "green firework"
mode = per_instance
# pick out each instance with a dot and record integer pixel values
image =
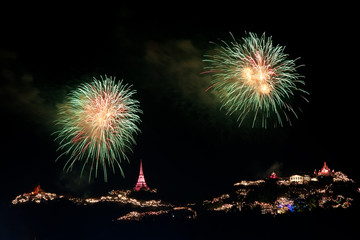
(97, 125)
(255, 79)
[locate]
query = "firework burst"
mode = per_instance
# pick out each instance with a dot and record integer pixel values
(97, 125)
(255, 78)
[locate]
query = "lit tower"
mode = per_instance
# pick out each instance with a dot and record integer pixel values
(325, 171)
(141, 184)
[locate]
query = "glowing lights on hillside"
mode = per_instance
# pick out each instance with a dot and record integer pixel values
(296, 196)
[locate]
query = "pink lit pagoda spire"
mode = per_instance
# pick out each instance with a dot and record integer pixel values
(325, 171)
(141, 184)
(273, 176)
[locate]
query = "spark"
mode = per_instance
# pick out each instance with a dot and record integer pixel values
(254, 77)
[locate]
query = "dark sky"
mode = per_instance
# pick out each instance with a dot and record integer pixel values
(190, 148)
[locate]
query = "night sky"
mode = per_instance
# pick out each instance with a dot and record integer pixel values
(190, 148)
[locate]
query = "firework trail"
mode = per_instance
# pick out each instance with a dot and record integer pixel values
(255, 78)
(97, 125)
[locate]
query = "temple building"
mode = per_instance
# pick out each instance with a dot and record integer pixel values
(141, 184)
(273, 176)
(298, 179)
(37, 190)
(325, 171)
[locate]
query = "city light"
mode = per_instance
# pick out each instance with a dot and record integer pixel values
(297, 193)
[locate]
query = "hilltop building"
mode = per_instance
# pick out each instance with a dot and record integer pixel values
(273, 175)
(307, 178)
(298, 179)
(141, 184)
(325, 171)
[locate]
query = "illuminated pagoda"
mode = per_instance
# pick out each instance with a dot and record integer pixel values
(37, 190)
(273, 176)
(325, 171)
(141, 184)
